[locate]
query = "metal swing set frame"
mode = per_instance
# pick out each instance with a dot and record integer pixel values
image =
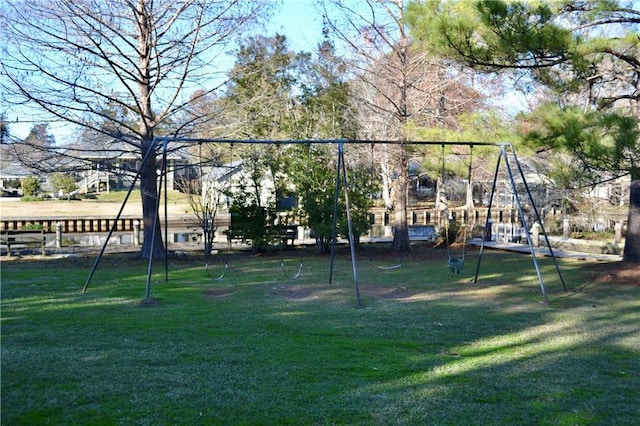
(341, 180)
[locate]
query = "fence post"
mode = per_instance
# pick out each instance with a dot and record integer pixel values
(58, 234)
(618, 229)
(136, 232)
(565, 229)
(535, 232)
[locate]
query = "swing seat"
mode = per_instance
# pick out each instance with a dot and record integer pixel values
(388, 268)
(456, 264)
(224, 271)
(296, 276)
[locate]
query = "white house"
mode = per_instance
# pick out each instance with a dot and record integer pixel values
(231, 178)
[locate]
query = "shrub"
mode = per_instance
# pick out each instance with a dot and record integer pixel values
(30, 186)
(33, 227)
(63, 182)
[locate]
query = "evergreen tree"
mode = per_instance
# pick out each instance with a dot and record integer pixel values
(585, 58)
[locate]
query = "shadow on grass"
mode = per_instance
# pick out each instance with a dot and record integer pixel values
(256, 347)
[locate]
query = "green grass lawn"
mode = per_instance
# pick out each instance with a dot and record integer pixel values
(256, 347)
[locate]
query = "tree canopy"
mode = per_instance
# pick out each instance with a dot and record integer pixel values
(122, 68)
(582, 57)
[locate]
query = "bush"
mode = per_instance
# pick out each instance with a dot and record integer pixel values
(455, 232)
(63, 182)
(33, 227)
(30, 186)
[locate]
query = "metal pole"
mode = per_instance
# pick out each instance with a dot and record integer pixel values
(335, 212)
(153, 234)
(524, 223)
(321, 141)
(115, 222)
(352, 244)
(539, 219)
(488, 220)
(166, 221)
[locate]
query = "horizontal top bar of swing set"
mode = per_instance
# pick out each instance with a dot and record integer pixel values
(165, 139)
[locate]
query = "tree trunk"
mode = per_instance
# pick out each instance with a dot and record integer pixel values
(632, 241)
(401, 241)
(152, 244)
(149, 192)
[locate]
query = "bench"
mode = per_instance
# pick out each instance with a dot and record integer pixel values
(288, 234)
(26, 237)
(234, 234)
(422, 232)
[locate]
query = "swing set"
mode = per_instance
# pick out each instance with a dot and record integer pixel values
(455, 264)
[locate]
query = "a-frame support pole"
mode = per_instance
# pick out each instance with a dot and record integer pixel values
(336, 194)
(503, 153)
(155, 221)
(166, 221)
(115, 222)
(539, 219)
(341, 167)
(524, 223)
(487, 223)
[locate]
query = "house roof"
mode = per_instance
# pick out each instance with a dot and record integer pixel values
(15, 171)
(224, 172)
(102, 148)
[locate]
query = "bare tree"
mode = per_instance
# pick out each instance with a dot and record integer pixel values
(206, 196)
(394, 85)
(123, 68)
(374, 33)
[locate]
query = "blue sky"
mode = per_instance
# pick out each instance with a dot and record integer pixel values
(300, 22)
